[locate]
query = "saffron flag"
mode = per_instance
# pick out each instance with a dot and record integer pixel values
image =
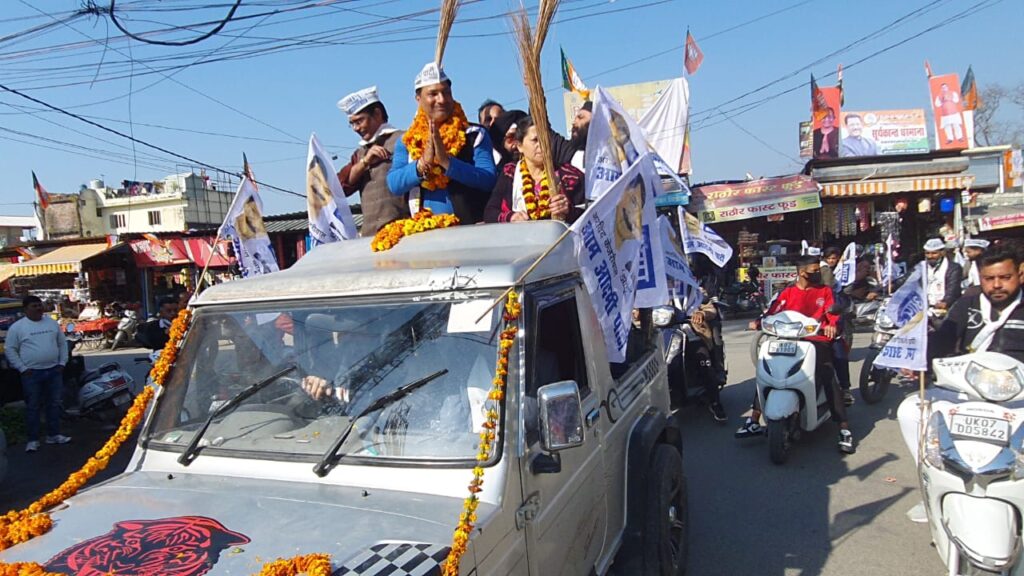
(608, 240)
(571, 81)
(41, 194)
(908, 309)
(969, 90)
(847, 268)
(693, 57)
(927, 69)
(819, 105)
(839, 84)
(243, 226)
(330, 218)
(697, 237)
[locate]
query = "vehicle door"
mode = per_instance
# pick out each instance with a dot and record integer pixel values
(567, 510)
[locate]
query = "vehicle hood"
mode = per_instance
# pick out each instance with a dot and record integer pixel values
(191, 525)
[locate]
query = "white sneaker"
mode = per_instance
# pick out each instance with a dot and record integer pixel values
(58, 439)
(32, 446)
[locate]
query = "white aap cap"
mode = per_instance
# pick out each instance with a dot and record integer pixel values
(934, 245)
(356, 102)
(976, 243)
(431, 74)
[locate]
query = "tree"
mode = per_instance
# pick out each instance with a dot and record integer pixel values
(997, 119)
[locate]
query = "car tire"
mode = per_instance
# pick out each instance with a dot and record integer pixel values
(666, 530)
(874, 382)
(778, 444)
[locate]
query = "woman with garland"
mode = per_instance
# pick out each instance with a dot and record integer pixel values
(523, 191)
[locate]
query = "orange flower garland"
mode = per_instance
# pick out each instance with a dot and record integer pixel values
(538, 205)
(453, 135)
(391, 233)
(310, 564)
(467, 519)
(23, 525)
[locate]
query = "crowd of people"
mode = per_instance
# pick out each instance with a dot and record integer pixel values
(489, 171)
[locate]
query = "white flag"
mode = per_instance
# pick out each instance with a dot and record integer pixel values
(615, 142)
(847, 270)
(651, 282)
(908, 348)
(330, 218)
(608, 239)
(699, 238)
(677, 268)
(243, 225)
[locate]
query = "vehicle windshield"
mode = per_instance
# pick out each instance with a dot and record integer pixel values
(359, 352)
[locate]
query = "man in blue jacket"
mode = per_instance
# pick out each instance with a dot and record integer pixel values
(443, 162)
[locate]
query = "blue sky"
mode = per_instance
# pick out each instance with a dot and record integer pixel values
(271, 103)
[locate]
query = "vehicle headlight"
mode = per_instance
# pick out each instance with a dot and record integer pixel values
(994, 385)
(932, 447)
(882, 319)
(788, 329)
(663, 316)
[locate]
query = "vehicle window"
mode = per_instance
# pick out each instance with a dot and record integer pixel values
(361, 352)
(642, 341)
(557, 348)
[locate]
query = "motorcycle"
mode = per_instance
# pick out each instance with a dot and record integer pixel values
(786, 387)
(874, 382)
(744, 296)
(972, 470)
(126, 329)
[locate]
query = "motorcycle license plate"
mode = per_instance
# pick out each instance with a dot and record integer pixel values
(782, 348)
(982, 428)
(122, 399)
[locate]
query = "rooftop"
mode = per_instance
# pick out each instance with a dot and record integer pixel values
(483, 256)
(18, 221)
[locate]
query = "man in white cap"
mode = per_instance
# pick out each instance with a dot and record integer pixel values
(974, 249)
(443, 162)
(944, 275)
(367, 170)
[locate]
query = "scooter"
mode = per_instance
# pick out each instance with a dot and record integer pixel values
(786, 387)
(103, 392)
(126, 329)
(874, 382)
(972, 469)
(690, 359)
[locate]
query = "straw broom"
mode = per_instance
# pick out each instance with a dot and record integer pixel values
(529, 50)
(449, 8)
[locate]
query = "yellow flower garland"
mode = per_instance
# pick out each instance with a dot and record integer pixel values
(310, 564)
(467, 519)
(453, 135)
(391, 233)
(538, 205)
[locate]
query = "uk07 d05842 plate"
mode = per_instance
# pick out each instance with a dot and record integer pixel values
(782, 348)
(967, 426)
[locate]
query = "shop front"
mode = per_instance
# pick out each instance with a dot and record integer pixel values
(82, 272)
(169, 266)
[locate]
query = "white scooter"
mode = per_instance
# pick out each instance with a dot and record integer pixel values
(972, 472)
(786, 388)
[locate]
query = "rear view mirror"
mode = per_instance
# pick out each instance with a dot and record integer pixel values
(561, 416)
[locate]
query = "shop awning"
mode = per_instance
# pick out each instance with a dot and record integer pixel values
(754, 198)
(7, 270)
(63, 260)
(203, 253)
(895, 186)
(150, 253)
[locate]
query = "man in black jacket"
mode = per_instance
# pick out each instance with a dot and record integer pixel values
(154, 334)
(944, 275)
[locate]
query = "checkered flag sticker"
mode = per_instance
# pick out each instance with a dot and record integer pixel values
(396, 559)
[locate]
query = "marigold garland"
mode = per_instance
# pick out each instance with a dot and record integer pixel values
(453, 135)
(391, 233)
(538, 205)
(310, 564)
(467, 519)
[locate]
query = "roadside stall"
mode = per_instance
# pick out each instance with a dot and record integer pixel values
(73, 271)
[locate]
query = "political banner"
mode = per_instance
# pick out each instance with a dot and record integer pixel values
(825, 118)
(677, 267)
(608, 239)
(908, 309)
(651, 283)
(699, 238)
(948, 109)
(881, 132)
(330, 218)
(615, 140)
(806, 142)
(243, 225)
(847, 269)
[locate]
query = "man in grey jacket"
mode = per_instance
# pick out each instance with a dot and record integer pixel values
(36, 347)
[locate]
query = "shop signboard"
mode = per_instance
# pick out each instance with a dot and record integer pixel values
(154, 252)
(881, 132)
(775, 278)
(806, 143)
(1000, 222)
(755, 198)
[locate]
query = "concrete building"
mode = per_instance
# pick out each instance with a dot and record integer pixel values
(178, 203)
(16, 230)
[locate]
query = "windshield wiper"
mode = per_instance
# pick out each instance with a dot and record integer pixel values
(330, 457)
(192, 451)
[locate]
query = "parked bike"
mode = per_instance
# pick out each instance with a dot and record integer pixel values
(126, 330)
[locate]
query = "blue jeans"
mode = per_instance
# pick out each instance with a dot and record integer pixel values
(42, 385)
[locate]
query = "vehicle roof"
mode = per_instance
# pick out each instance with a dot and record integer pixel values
(471, 257)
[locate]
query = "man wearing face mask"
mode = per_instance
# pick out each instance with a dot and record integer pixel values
(944, 276)
(810, 297)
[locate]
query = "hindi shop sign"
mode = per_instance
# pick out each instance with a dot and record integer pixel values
(755, 198)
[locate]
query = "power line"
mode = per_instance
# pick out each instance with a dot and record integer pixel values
(196, 40)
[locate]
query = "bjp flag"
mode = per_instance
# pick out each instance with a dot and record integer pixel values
(694, 56)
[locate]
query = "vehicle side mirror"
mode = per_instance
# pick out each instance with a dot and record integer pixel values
(663, 316)
(561, 416)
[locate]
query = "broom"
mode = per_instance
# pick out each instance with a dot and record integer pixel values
(449, 8)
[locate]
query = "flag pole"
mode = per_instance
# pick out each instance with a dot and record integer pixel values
(526, 273)
(923, 427)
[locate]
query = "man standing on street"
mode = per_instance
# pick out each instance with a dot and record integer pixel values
(36, 347)
(367, 171)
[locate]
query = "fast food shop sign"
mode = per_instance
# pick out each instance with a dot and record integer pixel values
(754, 199)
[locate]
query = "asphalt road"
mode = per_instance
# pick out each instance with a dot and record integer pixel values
(821, 512)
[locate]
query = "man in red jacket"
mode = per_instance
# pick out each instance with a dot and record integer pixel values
(809, 297)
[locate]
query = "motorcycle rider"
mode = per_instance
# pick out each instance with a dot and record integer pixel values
(944, 276)
(809, 297)
(841, 346)
(703, 322)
